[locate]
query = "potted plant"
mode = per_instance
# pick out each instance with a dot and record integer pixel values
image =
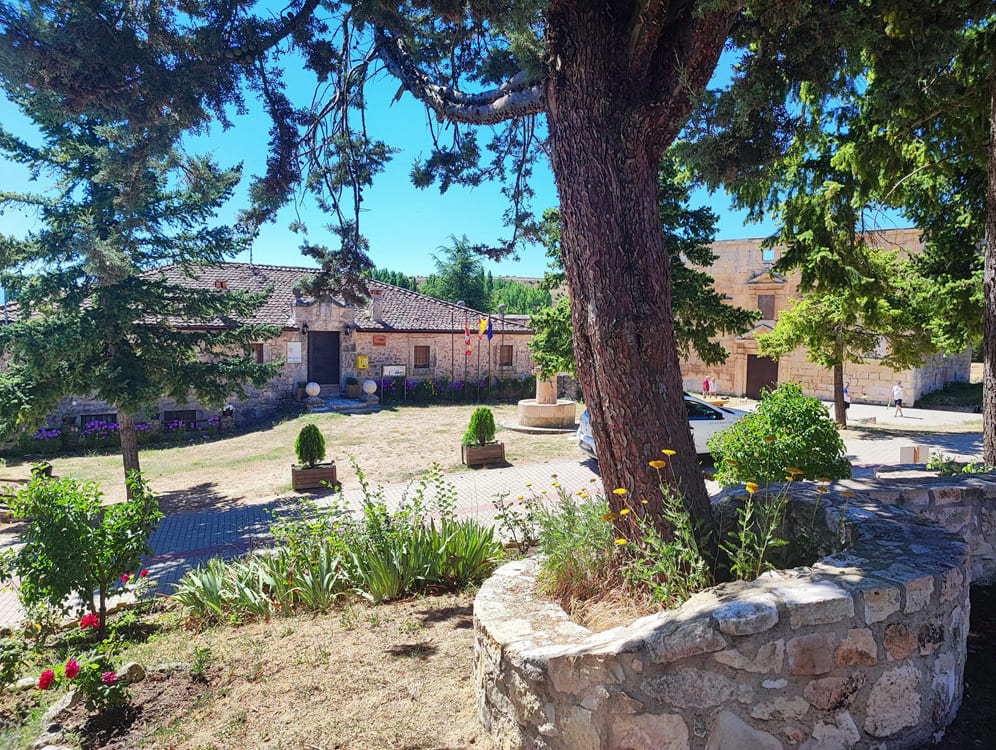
(310, 473)
(353, 388)
(299, 390)
(479, 447)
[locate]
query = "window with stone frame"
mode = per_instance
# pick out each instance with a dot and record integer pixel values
(505, 355)
(420, 356)
(257, 353)
(766, 306)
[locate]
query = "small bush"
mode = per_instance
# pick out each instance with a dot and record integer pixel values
(73, 545)
(482, 427)
(788, 430)
(310, 446)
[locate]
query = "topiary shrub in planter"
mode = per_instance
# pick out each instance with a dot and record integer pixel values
(353, 388)
(788, 431)
(310, 474)
(479, 447)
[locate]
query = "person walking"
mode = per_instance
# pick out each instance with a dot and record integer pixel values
(847, 396)
(897, 395)
(705, 387)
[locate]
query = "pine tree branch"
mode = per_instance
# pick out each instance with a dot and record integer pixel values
(517, 97)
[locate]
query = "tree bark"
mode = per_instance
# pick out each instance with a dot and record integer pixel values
(129, 445)
(607, 142)
(839, 405)
(988, 298)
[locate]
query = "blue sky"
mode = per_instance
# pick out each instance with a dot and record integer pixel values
(405, 226)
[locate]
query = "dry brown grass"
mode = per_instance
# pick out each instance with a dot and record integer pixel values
(393, 445)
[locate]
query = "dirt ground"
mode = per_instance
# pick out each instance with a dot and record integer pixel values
(393, 445)
(361, 678)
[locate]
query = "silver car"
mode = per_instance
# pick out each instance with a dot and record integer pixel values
(704, 419)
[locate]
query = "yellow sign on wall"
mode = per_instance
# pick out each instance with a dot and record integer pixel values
(362, 362)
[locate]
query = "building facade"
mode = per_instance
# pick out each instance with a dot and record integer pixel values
(743, 272)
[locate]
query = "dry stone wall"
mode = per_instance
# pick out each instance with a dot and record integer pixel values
(863, 649)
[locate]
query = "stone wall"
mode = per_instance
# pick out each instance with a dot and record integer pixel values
(865, 648)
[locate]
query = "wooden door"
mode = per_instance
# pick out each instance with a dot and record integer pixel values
(762, 372)
(323, 357)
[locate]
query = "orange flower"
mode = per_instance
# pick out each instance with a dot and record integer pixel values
(610, 516)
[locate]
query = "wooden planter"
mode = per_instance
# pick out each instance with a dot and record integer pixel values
(354, 390)
(315, 478)
(482, 455)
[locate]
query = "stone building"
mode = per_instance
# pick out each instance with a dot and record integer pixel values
(398, 332)
(743, 272)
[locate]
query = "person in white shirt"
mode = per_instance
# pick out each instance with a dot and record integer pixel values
(847, 396)
(897, 396)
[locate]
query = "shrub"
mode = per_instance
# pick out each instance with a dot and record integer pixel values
(73, 545)
(788, 430)
(310, 446)
(482, 427)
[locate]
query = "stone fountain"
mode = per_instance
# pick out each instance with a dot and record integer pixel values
(546, 410)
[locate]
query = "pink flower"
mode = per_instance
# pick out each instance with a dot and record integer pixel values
(46, 679)
(125, 578)
(72, 669)
(109, 678)
(143, 574)
(89, 621)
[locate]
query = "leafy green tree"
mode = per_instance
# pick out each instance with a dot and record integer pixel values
(551, 346)
(95, 313)
(396, 278)
(459, 276)
(518, 297)
(76, 545)
(909, 90)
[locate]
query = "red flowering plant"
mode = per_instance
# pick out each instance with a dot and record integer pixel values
(94, 679)
(76, 545)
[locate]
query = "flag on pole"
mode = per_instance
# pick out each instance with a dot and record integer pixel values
(491, 330)
(466, 335)
(482, 326)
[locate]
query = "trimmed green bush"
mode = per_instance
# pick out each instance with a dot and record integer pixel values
(788, 431)
(310, 446)
(482, 427)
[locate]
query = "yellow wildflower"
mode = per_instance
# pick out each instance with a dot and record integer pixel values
(848, 493)
(793, 470)
(751, 487)
(610, 516)
(667, 452)
(658, 464)
(624, 511)
(824, 479)
(644, 501)
(620, 541)
(519, 497)
(555, 484)
(619, 491)
(553, 476)
(822, 489)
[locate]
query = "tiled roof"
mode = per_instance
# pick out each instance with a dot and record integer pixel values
(402, 310)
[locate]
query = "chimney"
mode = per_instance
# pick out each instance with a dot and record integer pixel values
(376, 306)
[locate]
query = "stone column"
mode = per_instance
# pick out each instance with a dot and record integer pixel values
(546, 390)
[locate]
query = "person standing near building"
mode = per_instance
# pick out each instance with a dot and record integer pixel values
(705, 387)
(897, 395)
(847, 396)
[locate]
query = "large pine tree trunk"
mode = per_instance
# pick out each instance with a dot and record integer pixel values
(606, 148)
(129, 445)
(989, 296)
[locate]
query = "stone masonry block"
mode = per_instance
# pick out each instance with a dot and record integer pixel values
(880, 603)
(813, 602)
(857, 648)
(747, 617)
(894, 702)
(811, 654)
(918, 593)
(666, 732)
(947, 495)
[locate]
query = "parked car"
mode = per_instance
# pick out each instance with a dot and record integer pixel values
(704, 419)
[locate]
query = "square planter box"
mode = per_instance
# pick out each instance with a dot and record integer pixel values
(313, 479)
(354, 390)
(482, 455)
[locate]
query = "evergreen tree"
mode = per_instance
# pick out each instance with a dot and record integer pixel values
(459, 276)
(94, 317)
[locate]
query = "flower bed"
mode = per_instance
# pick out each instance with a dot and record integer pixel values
(864, 648)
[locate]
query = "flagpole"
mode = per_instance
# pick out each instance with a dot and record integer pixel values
(478, 360)
(461, 303)
(490, 334)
